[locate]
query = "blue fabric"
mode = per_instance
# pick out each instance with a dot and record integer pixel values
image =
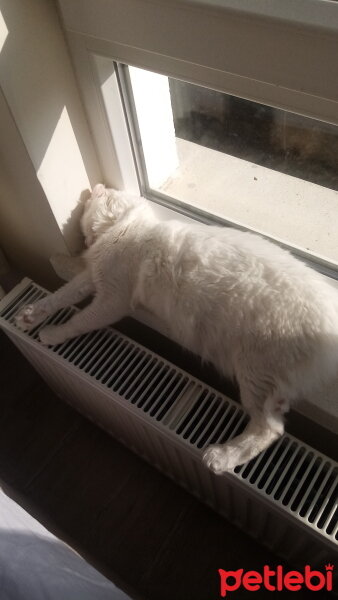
(35, 565)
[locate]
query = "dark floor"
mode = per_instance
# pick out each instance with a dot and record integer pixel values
(146, 534)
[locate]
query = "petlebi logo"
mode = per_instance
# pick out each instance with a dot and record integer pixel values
(275, 580)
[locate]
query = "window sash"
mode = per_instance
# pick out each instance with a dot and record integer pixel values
(273, 59)
(283, 54)
(320, 264)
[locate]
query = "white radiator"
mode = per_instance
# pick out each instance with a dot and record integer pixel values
(286, 497)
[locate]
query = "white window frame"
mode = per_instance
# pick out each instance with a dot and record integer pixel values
(277, 53)
(220, 44)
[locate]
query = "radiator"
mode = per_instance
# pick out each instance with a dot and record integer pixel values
(286, 497)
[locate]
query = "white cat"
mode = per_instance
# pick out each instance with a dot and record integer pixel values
(234, 298)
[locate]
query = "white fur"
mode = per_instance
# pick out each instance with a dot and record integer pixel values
(239, 301)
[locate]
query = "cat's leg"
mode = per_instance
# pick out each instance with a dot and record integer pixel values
(101, 312)
(67, 267)
(72, 292)
(266, 425)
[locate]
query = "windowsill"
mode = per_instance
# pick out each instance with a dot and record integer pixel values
(289, 209)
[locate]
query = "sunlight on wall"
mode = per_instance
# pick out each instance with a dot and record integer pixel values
(155, 119)
(3, 31)
(62, 173)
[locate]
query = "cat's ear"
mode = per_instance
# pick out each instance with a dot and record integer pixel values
(98, 190)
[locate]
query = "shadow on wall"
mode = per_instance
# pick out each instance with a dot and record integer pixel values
(39, 67)
(71, 228)
(46, 149)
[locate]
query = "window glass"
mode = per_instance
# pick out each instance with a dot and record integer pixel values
(261, 167)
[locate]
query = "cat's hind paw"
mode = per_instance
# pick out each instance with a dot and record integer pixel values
(222, 459)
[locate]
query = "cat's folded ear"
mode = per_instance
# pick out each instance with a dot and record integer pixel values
(98, 190)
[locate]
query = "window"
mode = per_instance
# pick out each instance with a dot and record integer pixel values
(259, 153)
(217, 155)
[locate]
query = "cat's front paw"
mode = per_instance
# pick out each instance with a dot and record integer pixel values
(52, 335)
(223, 458)
(29, 316)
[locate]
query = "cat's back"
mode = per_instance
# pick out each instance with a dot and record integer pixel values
(219, 268)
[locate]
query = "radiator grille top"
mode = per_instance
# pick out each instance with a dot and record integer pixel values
(289, 473)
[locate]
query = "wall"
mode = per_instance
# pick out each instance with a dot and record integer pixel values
(47, 155)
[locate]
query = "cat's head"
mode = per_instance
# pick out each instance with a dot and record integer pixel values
(105, 208)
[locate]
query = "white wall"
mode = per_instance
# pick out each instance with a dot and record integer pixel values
(43, 128)
(28, 231)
